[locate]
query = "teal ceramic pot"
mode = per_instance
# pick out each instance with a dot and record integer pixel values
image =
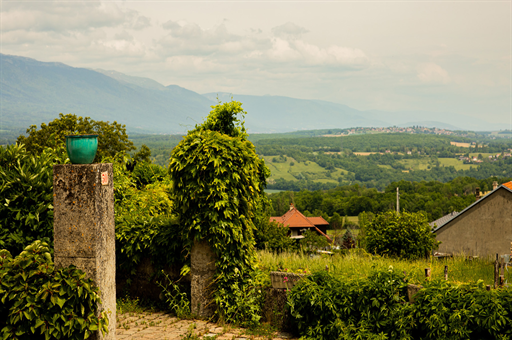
(81, 148)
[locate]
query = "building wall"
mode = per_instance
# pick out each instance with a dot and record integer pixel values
(484, 230)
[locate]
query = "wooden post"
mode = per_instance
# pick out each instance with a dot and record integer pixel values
(427, 273)
(496, 272)
(397, 201)
(446, 272)
(488, 287)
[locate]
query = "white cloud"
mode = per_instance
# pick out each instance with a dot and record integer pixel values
(432, 73)
(289, 31)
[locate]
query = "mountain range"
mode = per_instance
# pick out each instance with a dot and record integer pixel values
(33, 92)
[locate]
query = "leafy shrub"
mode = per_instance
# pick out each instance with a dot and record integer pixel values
(324, 306)
(313, 241)
(39, 302)
(407, 235)
(146, 173)
(462, 311)
(273, 236)
(26, 196)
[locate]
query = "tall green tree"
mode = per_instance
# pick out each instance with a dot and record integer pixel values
(112, 137)
(407, 235)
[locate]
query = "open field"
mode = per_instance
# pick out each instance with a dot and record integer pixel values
(458, 165)
(484, 154)
(416, 164)
(307, 170)
(461, 145)
(357, 263)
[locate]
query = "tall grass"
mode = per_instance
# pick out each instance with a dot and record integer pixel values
(359, 264)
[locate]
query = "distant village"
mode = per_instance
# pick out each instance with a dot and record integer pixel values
(416, 129)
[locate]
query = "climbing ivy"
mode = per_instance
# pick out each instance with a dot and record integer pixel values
(218, 181)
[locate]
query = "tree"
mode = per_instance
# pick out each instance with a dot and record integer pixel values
(112, 137)
(407, 235)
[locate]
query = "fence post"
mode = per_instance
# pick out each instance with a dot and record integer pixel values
(446, 272)
(496, 272)
(84, 231)
(427, 273)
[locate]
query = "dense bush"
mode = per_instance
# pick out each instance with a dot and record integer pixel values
(39, 302)
(324, 306)
(26, 196)
(407, 235)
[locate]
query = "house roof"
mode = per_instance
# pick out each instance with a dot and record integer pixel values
(318, 221)
(443, 220)
(505, 186)
(295, 219)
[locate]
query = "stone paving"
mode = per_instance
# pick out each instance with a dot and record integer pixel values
(159, 325)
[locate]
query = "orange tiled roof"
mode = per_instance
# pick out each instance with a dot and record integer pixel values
(295, 219)
(508, 185)
(318, 220)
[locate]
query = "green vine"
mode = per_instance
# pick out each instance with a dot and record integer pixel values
(218, 181)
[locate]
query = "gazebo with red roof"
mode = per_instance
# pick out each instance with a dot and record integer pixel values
(298, 223)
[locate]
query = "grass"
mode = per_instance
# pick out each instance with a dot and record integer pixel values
(457, 164)
(416, 164)
(307, 169)
(359, 264)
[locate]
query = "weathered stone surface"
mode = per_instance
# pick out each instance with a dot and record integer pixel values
(84, 231)
(412, 290)
(202, 261)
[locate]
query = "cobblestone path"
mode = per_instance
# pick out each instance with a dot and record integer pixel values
(158, 325)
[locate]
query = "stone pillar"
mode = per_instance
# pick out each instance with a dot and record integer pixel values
(84, 231)
(202, 271)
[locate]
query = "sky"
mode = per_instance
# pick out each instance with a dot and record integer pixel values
(437, 56)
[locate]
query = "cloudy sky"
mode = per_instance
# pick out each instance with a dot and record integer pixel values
(442, 56)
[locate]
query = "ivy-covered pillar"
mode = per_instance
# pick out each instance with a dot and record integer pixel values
(218, 180)
(84, 231)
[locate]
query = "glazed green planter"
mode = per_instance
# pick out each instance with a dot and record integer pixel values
(81, 148)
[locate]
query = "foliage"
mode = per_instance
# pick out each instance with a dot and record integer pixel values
(175, 297)
(145, 224)
(112, 137)
(273, 236)
(26, 196)
(146, 173)
(218, 180)
(270, 235)
(143, 155)
(39, 302)
(324, 306)
(407, 235)
(445, 310)
(313, 241)
(348, 240)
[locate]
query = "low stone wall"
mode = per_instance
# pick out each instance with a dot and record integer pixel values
(275, 310)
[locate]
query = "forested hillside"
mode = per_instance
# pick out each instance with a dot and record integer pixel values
(308, 160)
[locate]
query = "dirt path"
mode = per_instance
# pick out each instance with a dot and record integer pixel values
(158, 325)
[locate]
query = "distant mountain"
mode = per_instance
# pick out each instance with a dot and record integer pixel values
(283, 114)
(34, 92)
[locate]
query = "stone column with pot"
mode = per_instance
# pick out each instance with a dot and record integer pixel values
(84, 231)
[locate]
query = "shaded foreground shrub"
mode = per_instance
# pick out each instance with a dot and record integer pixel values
(324, 306)
(39, 302)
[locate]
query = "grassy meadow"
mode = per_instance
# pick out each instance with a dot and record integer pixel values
(290, 169)
(359, 264)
